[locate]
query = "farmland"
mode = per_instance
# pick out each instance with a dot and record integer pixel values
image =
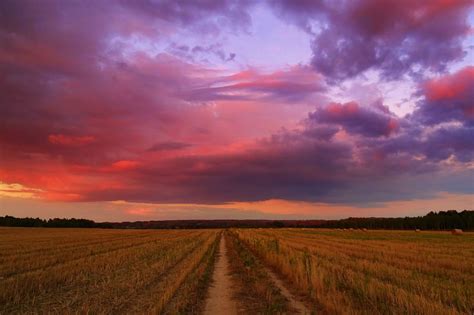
(102, 271)
(260, 271)
(372, 272)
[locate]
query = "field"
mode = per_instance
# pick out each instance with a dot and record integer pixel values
(265, 271)
(340, 272)
(102, 271)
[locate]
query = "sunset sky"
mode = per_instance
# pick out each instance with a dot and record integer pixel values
(142, 109)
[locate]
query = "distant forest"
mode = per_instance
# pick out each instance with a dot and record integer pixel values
(442, 220)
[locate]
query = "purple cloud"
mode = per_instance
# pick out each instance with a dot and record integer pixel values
(293, 84)
(185, 12)
(372, 121)
(446, 142)
(448, 99)
(393, 36)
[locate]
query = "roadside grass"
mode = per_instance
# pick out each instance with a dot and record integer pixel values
(257, 294)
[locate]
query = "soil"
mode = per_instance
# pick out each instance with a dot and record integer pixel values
(220, 299)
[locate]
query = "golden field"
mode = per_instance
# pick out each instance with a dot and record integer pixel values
(372, 272)
(103, 271)
(107, 271)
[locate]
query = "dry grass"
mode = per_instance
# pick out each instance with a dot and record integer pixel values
(257, 294)
(167, 271)
(192, 293)
(100, 271)
(352, 272)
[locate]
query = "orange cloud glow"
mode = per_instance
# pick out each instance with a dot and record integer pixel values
(124, 165)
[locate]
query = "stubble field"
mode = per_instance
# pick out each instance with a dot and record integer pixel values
(372, 272)
(102, 271)
(270, 271)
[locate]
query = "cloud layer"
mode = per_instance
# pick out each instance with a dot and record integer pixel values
(395, 37)
(92, 112)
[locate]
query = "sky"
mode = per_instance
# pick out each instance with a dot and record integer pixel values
(119, 110)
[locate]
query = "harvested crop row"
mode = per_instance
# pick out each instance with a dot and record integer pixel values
(189, 298)
(153, 297)
(395, 266)
(40, 239)
(73, 240)
(449, 266)
(361, 276)
(397, 245)
(108, 280)
(21, 263)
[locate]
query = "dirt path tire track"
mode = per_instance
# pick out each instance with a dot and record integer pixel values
(221, 293)
(295, 304)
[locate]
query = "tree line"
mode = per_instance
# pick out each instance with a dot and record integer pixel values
(442, 220)
(37, 222)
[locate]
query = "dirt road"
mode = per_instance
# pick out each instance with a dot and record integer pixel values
(220, 300)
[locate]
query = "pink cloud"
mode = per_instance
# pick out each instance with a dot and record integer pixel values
(449, 87)
(70, 140)
(448, 98)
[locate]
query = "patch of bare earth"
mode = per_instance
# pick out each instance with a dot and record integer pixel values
(220, 299)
